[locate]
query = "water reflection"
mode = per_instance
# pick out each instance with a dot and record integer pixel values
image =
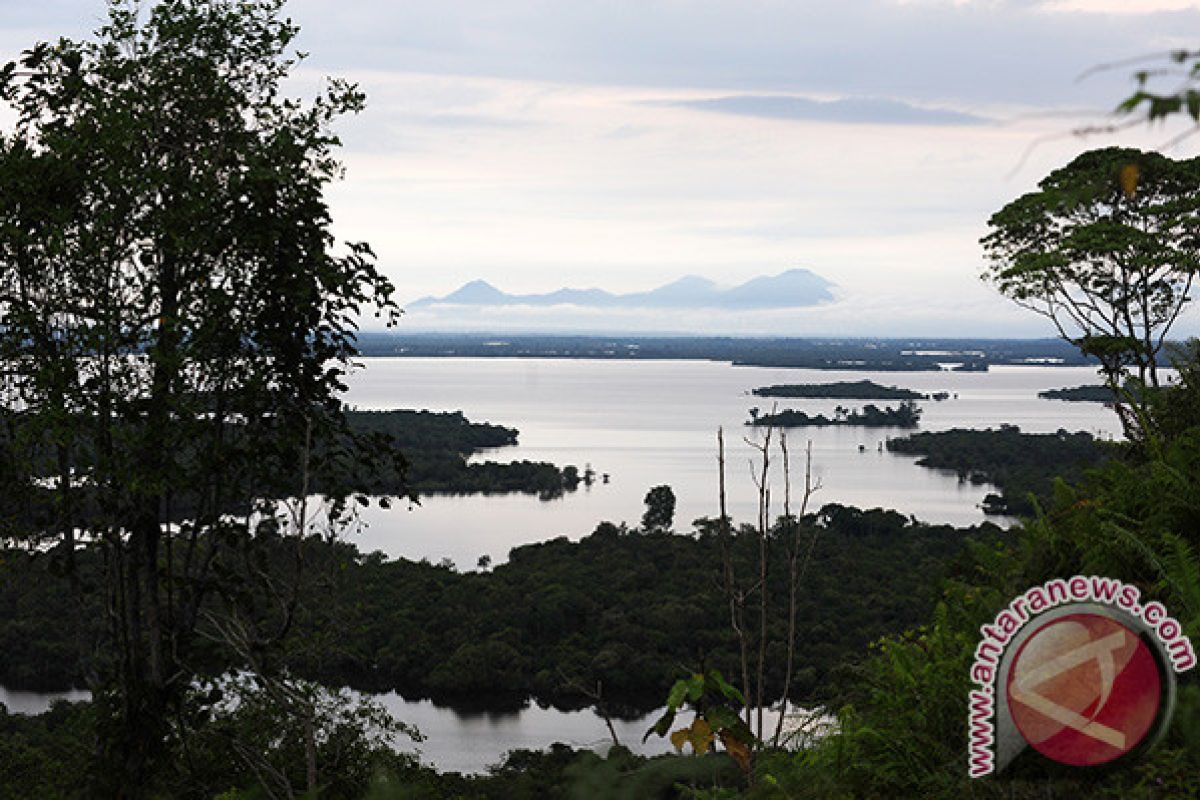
(648, 423)
(470, 742)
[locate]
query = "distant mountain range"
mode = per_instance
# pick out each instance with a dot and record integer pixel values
(792, 289)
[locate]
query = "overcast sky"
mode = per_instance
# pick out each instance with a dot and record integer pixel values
(625, 143)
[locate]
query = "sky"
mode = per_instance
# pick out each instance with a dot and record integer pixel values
(623, 144)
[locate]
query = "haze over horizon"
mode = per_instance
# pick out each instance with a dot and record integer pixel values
(628, 144)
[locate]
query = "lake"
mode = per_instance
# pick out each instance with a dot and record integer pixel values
(470, 742)
(647, 423)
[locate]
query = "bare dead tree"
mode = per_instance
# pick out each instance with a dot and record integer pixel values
(800, 551)
(734, 596)
(763, 485)
(796, 568)
(596, 696)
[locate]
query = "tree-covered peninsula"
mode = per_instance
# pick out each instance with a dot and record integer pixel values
(1024, 466)
(434, 450)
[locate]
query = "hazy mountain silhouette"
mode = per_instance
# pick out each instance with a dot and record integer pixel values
(791, 289)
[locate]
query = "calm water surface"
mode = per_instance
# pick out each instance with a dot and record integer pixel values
(648, 423)
(652, 422)
(465, 742)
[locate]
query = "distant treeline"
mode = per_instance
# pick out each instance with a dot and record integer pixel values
(622, 609)
(880, 355)
(905, 415)
(1020, 464)
(845, 390)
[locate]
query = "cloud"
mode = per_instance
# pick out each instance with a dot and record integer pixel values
(854, 111)
(626, 142)
(930, 53)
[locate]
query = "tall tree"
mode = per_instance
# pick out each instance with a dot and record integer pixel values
(660, 509)
(1107, 248)
(176, 322)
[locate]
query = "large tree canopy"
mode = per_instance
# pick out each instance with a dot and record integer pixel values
(1107, 248)
(175, 322)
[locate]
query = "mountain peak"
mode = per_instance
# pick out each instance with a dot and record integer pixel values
(793, 288)
(477, 292)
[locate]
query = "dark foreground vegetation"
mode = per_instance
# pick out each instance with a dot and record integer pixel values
(1024, 466)
(44, 757)
(622, 609)
(905, 415)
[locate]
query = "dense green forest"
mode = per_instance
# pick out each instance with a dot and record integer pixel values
(624, 607)
(1024, 466)
(843, 390)
(905, 415)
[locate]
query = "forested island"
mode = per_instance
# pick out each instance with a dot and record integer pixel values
(1021, 465)
(843, 390)
(905, 415)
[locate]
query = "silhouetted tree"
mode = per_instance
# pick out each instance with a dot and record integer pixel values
(660, 509)
(176, 325)
(1107, 248)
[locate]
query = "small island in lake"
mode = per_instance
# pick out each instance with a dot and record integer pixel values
(905, 415)
(844, 390)
(1080, 394)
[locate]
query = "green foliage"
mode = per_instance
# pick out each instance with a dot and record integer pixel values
(45, 756)
(1183, 70)
(1107, 248)
(1176, 409)
(257, 733)
(902, 730)
(902, 719)
(717, 706)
